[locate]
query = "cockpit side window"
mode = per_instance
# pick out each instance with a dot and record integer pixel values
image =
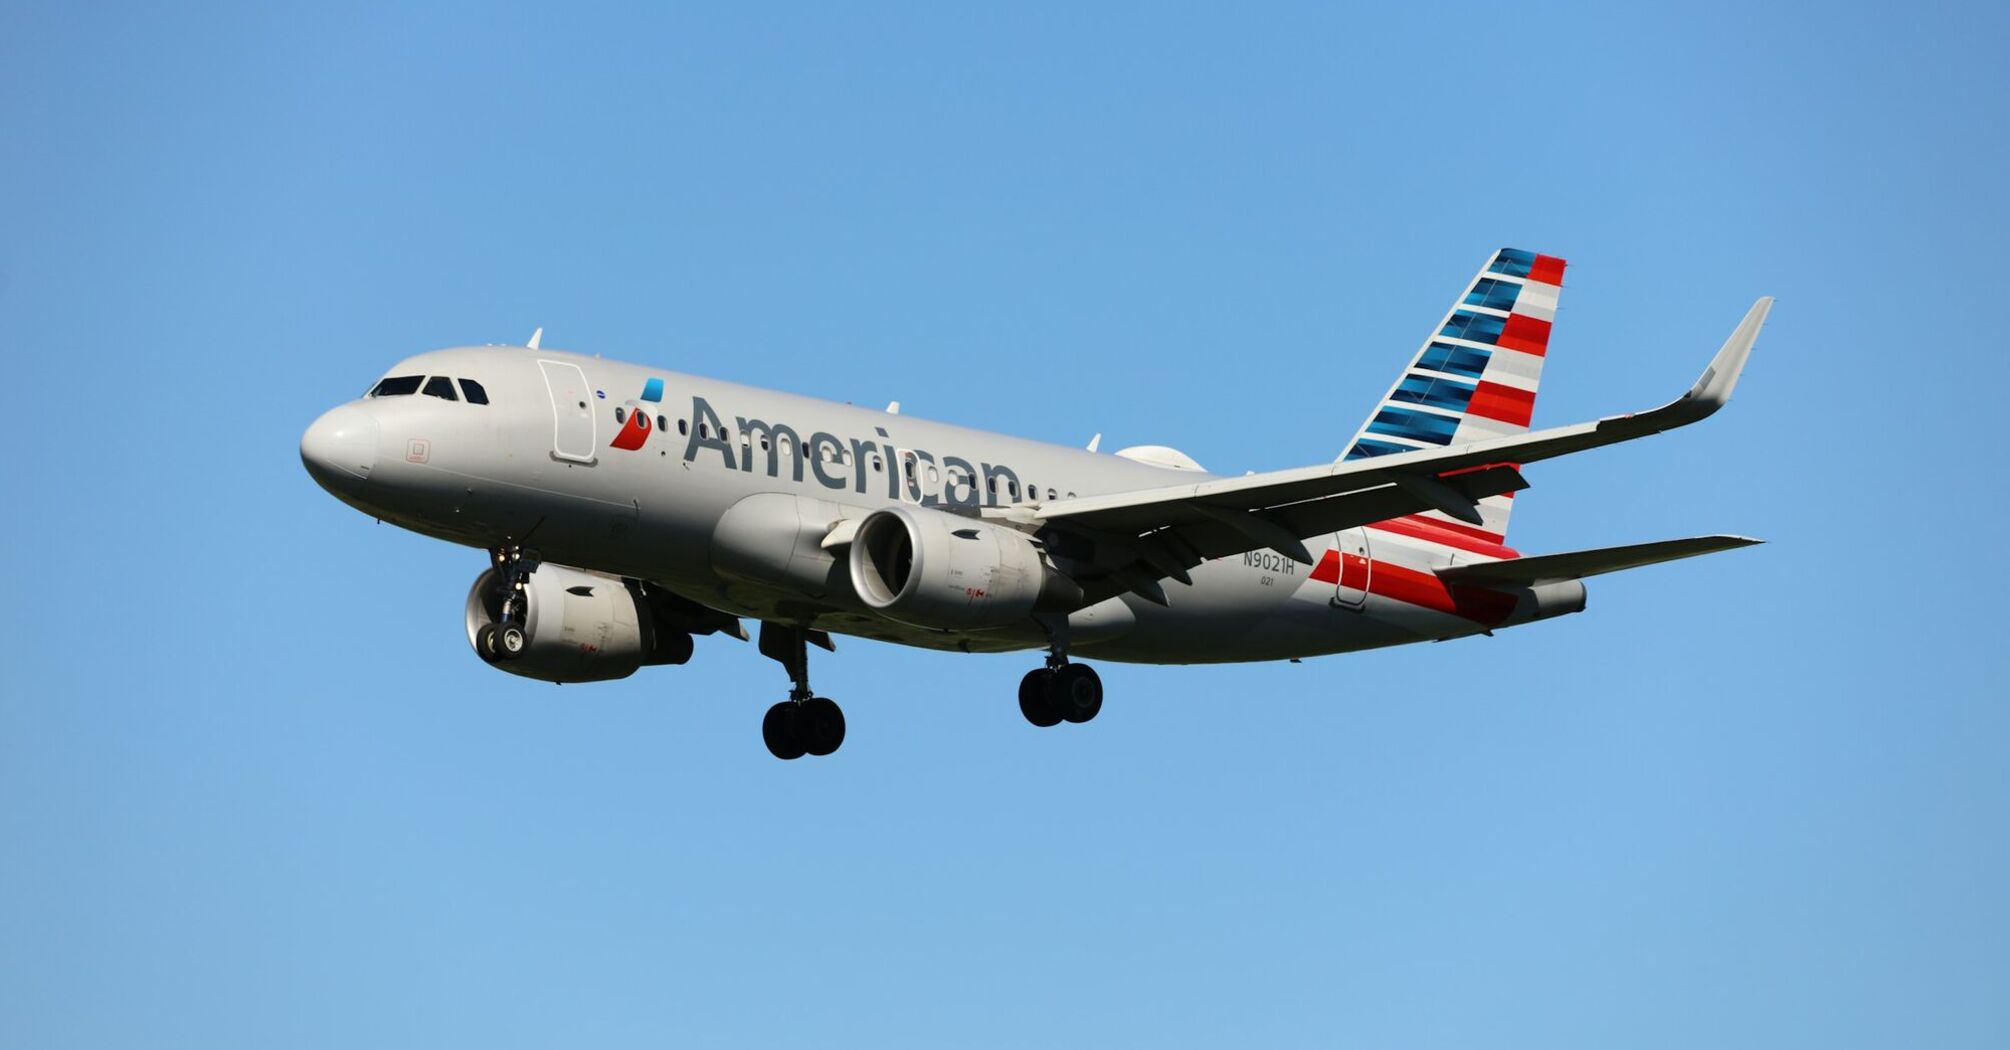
(476, 395)
(397, 386)
(441, 387)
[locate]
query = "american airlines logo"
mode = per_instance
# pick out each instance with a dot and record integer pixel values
(835, 463)
(634, 432)
(778, 449)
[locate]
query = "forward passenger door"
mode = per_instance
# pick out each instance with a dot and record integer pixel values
(573, 434)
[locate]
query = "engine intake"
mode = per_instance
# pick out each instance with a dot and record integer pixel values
(579, 626)
(926, 568)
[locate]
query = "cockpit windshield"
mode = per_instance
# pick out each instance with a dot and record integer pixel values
(397, 386)
(436, 386)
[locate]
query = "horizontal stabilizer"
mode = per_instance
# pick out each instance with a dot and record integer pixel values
(1576, 565)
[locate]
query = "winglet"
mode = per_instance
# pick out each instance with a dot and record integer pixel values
(1714, 387)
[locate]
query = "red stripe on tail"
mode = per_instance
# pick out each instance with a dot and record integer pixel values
(1425, 589)
(1524, 333)
(1412, 587)
(1342, 570)
(1450, 534)
(1507, 404)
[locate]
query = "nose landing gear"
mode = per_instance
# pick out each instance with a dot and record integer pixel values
(501, 641)
(506, 637)
(804, 724)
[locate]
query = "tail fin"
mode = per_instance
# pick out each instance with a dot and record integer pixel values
(1476, 376)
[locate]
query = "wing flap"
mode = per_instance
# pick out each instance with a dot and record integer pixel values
(1576, 565)
(1315, 517)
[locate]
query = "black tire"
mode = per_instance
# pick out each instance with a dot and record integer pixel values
(485, 642)
(820, 722)
(781, 731)
(511, 641)
(1036, 701)
(1076, 691)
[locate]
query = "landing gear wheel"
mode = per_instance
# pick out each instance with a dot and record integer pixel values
(510, 641)
(1076, 692)
(485, 643)
(820, 726)
(781, 730)
(1036, 700)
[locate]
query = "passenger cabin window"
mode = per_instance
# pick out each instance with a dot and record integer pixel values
(442, 388)
(663, 423)
(620, 416)
(398, 386)
(683, 426)
(474, 392)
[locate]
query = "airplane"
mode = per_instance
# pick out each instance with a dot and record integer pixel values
(627, 509)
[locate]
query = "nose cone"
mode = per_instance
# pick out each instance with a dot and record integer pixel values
(340, 448)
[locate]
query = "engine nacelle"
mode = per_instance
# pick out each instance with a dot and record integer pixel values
(579, 626)
(927, 568)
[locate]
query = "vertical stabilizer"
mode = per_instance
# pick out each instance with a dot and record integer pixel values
(1476, 376)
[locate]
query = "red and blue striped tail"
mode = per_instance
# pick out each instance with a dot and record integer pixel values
(1476, 376)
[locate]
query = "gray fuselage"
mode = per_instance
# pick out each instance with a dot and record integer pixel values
(722, 492)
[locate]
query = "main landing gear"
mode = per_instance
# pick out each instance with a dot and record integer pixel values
(506, 638)
(1061, 691)
(804, 724)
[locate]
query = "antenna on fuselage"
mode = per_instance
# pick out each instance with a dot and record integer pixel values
(534, 337)
(1094, 441)
(893, 408)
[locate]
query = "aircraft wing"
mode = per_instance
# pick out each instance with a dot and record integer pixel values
(1173, 528)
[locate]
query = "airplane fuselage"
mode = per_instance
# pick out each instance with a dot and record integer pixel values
(727, 494)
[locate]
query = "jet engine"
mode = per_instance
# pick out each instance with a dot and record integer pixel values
(574, 626)
(927, 568)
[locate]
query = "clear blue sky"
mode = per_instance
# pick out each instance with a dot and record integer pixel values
(256, 792)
